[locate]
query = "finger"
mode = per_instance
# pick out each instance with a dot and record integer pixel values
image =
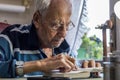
(76, 68)
(59, 56)
(73, 65)
(63, 65)
(70, 59)
(66, 61)
(69, 66)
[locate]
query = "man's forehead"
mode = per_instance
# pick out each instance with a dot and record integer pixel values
(60, 7)
(60, 3)
(57, 12)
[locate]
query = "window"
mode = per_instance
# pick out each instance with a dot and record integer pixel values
(92, 47)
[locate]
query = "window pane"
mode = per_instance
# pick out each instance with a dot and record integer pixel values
(92, 47)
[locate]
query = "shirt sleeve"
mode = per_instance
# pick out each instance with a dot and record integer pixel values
(7, 63)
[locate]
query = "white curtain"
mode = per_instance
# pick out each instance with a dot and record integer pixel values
(79, 18)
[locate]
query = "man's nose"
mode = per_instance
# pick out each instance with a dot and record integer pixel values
(62, 31)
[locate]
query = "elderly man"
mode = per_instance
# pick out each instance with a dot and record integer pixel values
(36, 48)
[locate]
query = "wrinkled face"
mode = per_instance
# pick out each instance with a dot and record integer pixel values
(53, 26)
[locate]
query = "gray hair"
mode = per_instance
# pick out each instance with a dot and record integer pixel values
(42, 5)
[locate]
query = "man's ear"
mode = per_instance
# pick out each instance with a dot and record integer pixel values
(36, 19)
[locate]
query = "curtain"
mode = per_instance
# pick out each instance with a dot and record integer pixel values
(79, 18)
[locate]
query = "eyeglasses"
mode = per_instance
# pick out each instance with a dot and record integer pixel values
(58, 27)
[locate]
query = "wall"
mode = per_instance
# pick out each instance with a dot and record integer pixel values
(16, 18)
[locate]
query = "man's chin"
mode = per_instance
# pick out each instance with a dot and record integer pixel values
(56, 45)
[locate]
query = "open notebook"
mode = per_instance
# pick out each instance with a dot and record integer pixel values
(81, 73)
(72, 74)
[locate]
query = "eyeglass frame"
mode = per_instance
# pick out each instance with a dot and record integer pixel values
(60, 27)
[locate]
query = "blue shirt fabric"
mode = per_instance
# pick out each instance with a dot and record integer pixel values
(20, 43)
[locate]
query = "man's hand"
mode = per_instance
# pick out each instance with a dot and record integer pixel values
(62, 62)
